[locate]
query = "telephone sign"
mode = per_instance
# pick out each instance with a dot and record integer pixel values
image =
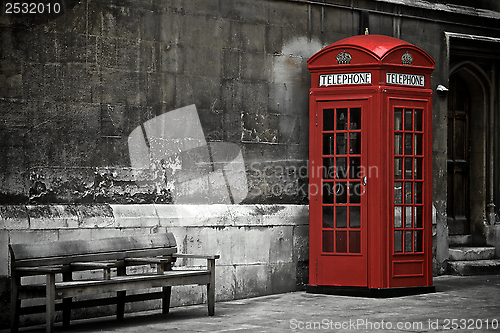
(370, 137)
(345, 78)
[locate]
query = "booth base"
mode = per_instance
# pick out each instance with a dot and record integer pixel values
(369, 292)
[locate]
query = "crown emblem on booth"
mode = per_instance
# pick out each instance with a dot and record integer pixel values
(343, 58)
(407, 58)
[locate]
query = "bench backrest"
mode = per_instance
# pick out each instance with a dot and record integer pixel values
(65, 252)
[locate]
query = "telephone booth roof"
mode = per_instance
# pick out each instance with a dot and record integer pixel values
(374, 50)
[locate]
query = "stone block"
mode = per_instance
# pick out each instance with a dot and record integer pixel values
(127, 54)
(230, 63)
(245, 216)
(201, 8)
(149, 56)
(274, 39)
(95, 216)
(52, 216)
(151, 23)
(34, 82)
(281, 245)
(255, 67)
(106, 51)
(120, 87)
(122, 22)
(253, 37)
(203, 61)
(167, 89)
(289, 13)
(99, 233)
(301, 243)
(282, 278)
(188, 295)
(31, 236)
(53, 80)
(78, 48)
(4, 253)
(257, 245)
(193, 215)
(252, 280)
(75, 234)
(225, 282)
(244, 10)
(231, 245)
(212, 121)
(201, 91)
(135, 216)
(13, 217)
(203, 31)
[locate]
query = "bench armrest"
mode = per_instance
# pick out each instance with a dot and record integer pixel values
(196, 256)
(149, 260)
(93, 265)
(39, 270)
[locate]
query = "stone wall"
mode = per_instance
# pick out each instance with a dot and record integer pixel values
(263, 248)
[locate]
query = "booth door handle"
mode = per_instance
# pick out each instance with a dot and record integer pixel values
(364, 181)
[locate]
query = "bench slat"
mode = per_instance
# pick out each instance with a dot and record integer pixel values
(82, 247)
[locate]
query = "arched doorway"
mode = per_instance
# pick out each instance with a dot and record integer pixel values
(466, 158)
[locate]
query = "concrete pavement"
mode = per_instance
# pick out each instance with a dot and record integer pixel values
(460, 304)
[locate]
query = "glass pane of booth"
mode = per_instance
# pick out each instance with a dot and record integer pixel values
(341, 144)
(341, 217)
(354, 242)
(398, 217)
(341, 242)
(328, 240)
(327, 217)
(408, 180)
(341, 168)
(329, 168)
(328, 193)
(418, 120)
(398, 241)
(355, 119)
(328, 119)
(328, 144)
(342, 174)
(408, 119)
(354, 217)
(341, 119)
(398, 119)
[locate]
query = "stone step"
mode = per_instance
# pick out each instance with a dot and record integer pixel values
(474, 267)
(459, 240)
(461, 253)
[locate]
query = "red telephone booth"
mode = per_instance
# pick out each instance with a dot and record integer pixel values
(370, 177)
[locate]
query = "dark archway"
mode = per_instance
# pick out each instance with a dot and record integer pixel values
(468, 105)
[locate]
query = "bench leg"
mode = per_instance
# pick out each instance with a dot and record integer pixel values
(120, 295)
(15, 303)
(120, 304)
(211, 288)
(50, 304)
(67, 302)
(167, 291)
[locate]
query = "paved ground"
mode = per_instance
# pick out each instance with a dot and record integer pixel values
(461, 304)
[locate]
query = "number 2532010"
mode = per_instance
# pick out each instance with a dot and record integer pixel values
(32, 8)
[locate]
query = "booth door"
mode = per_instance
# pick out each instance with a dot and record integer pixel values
(410, 237)
(342, 256)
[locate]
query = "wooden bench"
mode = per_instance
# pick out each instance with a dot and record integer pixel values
(120, 260)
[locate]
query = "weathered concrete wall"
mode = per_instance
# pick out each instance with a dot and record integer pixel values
(263, 248)
(74, 86)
